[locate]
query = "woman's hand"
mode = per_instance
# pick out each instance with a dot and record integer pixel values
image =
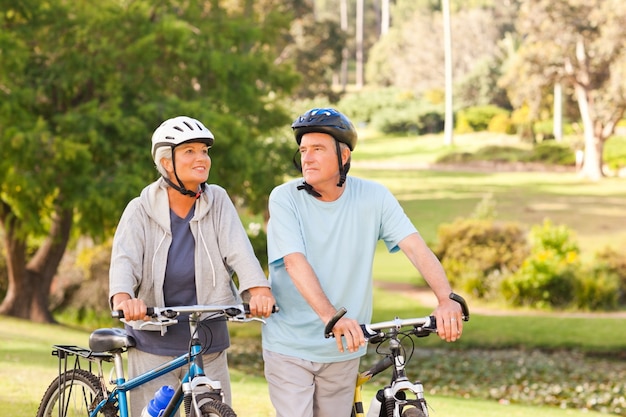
(133, 308)
(261, 301)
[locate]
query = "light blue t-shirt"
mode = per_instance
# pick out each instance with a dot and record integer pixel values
(339, 240)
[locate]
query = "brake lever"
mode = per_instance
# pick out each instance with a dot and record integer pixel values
(240, 319)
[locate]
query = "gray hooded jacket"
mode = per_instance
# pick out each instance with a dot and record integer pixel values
(143, 237)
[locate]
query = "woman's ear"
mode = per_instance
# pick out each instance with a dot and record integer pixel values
(167, 164)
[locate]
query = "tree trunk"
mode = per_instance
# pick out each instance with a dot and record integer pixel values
(448, 127)
(359, 44)
(29, 282)
(592, 159)
(343, 13)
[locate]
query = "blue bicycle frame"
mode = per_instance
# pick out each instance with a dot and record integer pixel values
(119, 393)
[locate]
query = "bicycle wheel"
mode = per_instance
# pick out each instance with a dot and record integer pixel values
(216, 409)
(413, 412)
(74, 394)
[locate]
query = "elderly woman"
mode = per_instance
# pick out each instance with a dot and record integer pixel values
(179, 243)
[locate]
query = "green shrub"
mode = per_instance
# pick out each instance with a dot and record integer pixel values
(550, 152)
(597, 289)
(501, 123)
(547, 278)
(614, 262)
(364, 105)
(500, 154)
(414, 117)
(544, 280)
(544, 129)
(477, 253)
(615, 152)
(477, 118)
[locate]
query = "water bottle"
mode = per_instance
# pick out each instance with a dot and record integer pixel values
(156, 405)
(376, 404)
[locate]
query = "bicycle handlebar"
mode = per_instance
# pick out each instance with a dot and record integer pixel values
(427, 324)
(234, 312)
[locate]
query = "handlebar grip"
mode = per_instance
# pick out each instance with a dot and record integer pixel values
(461, 301)
(119, 314)
(328, 330)
(246, 308)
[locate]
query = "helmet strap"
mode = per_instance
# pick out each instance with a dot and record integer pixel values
(342, 171)
(181, 189)
(309, 189)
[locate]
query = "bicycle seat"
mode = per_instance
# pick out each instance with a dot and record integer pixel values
(108, 340)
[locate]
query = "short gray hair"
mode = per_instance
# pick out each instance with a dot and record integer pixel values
(160, 153)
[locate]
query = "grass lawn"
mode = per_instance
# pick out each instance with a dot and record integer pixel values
(594, 211)
(431, 196)
(27, 368)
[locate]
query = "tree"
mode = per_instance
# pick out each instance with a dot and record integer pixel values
(578, 43)
(83, 85)
(314, 47)
(411, 55)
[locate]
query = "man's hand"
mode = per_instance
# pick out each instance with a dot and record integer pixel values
(449, 320)
(352, 333)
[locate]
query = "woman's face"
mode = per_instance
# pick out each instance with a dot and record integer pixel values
(192, 164)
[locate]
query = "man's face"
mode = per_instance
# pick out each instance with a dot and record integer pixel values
(318, 156)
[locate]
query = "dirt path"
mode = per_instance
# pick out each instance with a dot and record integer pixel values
(427, 298)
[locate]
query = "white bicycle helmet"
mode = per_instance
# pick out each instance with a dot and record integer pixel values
(172, 133)
(181, 129)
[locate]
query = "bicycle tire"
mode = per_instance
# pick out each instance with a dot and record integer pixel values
(216, 409)
(413, 412)
(80, 392)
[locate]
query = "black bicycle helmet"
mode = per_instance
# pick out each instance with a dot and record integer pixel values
(333, 123)
(326, 120)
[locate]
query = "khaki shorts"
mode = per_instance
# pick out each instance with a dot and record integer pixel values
(310, 389)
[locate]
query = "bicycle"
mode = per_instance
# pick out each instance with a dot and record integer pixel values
(81, 391)
(401, 397)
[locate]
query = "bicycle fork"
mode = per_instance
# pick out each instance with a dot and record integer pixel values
(395, 394)
(198, 389)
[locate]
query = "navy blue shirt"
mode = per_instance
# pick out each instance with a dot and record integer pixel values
(179, 289)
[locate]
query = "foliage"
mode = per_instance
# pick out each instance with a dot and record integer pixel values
(550, 152)
(480, 87)
(478, 118)
(410, 56)
(547, 152)
(501, 123)
(392, 110)
(547, 277)
(477, 253)
(597, 288)
(561, 379)
(615, 153)
(416, 118)
(314, 48)
(580, 48)
(612, 262)
(362, 106)
(77, 110)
